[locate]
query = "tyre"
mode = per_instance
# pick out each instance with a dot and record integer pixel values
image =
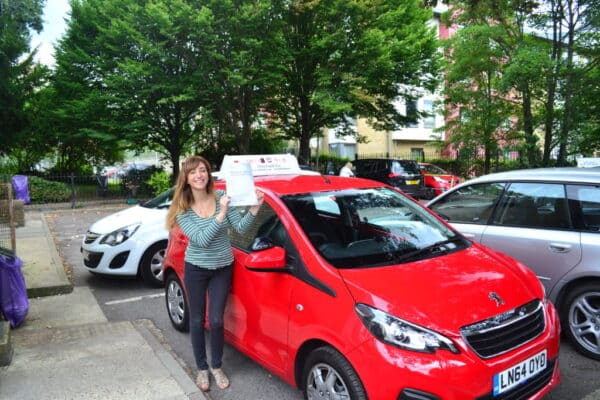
(580, 319)
(152, 263)
(176, 302)
(327, 371)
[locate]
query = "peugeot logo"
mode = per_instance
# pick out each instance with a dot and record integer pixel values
(494, 296)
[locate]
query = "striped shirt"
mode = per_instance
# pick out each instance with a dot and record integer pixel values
(209, 245)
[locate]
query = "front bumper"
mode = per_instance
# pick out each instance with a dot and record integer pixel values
(122, 259)
(391, 373)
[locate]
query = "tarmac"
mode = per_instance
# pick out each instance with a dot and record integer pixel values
(67, 349)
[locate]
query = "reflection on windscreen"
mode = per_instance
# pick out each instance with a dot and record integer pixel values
(163, 200)
(368, 227)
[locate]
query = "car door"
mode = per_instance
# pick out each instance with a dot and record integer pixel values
(532, 224)
(257, 312)
(470, 208)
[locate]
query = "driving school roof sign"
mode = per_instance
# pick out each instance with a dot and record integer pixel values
(269, 164)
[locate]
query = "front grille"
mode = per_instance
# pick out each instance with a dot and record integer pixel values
(507, 331)
(92, 259)
(527, 388)
(90, 237)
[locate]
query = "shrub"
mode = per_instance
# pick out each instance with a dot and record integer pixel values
(42, 191)
(159, 182)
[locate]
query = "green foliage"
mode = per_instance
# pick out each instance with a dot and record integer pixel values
(159, 182)
(17, 20)
(8, 165)
(42, 191)
(347, 59)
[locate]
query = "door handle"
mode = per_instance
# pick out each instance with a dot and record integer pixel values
(560, 247)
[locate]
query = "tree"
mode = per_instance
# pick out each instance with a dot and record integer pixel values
(245, 67)
(478, 111)
(128, 74)
(17, 18)
(542, 67)
(345, 58)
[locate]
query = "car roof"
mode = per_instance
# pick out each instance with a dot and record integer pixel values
(282, 185)
(561, 174)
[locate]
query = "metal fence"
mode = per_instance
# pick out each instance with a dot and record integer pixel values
(73, 189)
(7, 218)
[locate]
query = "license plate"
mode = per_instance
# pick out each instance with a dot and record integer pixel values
(86, 255)
(520, 373)
(412, 182)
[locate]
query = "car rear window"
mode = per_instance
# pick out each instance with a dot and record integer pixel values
(405, 166)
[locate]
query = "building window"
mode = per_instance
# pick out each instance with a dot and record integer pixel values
(429, 120)
(411, 113)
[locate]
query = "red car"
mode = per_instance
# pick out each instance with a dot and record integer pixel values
(437, 180)
(351, 288)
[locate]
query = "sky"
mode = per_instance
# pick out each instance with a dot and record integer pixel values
(55, 12)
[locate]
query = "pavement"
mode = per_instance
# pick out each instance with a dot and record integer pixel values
(67, 349)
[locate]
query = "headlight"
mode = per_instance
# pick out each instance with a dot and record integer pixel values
(120, 235)
(397, 332)
(439, 180)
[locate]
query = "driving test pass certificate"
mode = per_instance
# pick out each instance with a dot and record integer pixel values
(239, 184)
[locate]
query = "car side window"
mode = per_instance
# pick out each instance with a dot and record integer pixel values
(533, 205)
(264, 223)
(584, 202)
(471, 204)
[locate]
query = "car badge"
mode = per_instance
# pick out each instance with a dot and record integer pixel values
(494, 296)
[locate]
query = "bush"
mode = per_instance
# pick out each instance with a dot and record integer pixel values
(159, 182)
(42, 191)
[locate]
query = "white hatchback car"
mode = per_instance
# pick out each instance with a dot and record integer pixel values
(131, 242)
(549, 219)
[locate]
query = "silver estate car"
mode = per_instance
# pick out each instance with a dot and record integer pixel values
(549, 219)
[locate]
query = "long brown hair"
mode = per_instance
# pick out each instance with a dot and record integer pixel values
(182, 197)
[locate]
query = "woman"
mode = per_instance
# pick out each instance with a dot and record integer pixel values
(203, 215)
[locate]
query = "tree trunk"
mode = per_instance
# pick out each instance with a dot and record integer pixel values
(552, 81)
(530, 138)
(568, 91)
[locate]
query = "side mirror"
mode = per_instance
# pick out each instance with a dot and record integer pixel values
(271, 259)
(261, 243)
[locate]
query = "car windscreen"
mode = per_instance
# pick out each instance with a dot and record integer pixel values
(163, 200)
(356, 228)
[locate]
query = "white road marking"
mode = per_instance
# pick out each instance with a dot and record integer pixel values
(132, 299)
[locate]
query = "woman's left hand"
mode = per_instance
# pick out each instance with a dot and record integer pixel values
(260, 198)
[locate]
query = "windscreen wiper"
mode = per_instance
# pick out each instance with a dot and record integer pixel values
(437, 248)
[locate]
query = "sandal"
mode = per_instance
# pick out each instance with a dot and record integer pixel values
(220, 378)
(202, 380)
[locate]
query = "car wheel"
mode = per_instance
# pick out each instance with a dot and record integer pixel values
(326, 371)
(176, 303)
(581, 319)
(152, 263)
(430, 193)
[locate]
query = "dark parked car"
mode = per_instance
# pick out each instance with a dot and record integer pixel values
(401, 174)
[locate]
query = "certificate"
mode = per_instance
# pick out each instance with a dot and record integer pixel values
(239, 183)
